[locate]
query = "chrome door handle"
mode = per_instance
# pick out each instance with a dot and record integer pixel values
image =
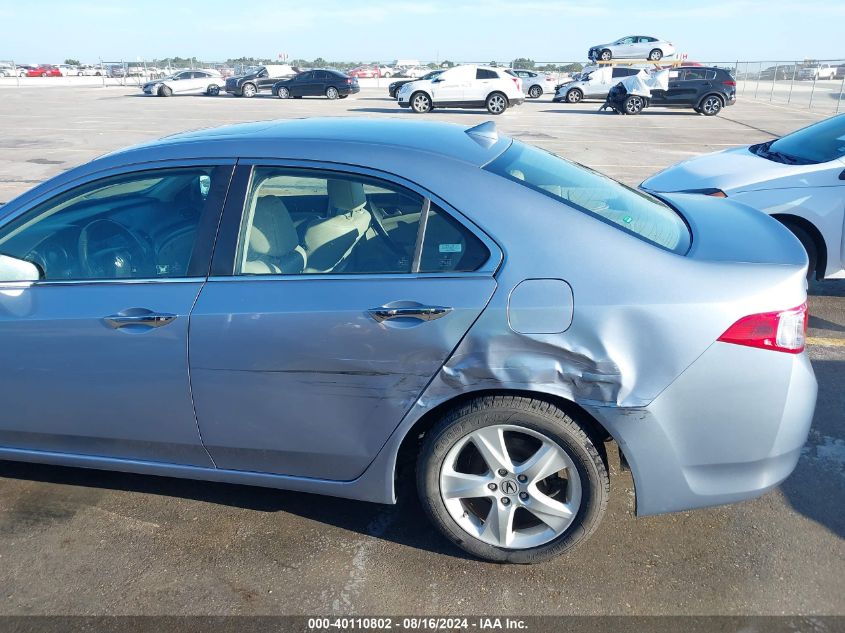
(423, 313)
(150, 319)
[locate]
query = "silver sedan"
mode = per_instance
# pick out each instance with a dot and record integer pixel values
(633, 47)
(330, 305)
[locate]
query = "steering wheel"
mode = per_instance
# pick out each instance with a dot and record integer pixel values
(117, 251)
(377, 216)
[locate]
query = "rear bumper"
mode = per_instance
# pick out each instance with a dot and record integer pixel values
(349, 90)
(730, 428)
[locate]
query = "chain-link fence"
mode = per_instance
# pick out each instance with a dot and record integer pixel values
(815, 84)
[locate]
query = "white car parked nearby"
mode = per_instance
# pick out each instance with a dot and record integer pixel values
(464, 87)
(594, 82)
(633, 47)
(798, 179)
(817, 71)
(208, 82)
(534, 84)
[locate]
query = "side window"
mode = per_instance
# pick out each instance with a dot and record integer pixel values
(448, 246)
(314, 222)
(133, 226)
(484, 73)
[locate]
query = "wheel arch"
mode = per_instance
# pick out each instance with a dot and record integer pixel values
(409, 447)
(719, 95)
(818, 239)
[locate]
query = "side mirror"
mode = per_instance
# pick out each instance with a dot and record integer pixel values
(14, 269)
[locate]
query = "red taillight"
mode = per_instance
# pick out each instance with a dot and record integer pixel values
(729, 82)
(779, 331)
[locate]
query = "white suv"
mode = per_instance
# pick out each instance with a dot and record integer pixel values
(464, 87)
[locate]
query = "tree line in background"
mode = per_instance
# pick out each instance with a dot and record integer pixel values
(192, 62)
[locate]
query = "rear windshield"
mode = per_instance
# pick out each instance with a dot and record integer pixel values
(819, 143)
(599, 196)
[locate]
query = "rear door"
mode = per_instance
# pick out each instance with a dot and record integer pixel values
(326, 315)
(690, 85)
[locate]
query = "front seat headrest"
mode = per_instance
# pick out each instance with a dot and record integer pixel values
(273, 232)
(346, 195)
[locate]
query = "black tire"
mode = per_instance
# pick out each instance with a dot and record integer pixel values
(43, 74)
(537, 416)
(535, 91)
(655, 55)
(633, 104)
(574, 95)
(213, 90)
(496, 103)
(249, 90)
(605, 55)
(420, 103)
(165, 91)
(283, 93)
(332, 93)
(809, 245)
(711, 105)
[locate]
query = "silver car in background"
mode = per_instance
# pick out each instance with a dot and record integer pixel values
(632, 47)
(330, 305)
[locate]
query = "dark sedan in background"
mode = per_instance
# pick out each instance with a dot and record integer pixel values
(331, 84)
(393, 88)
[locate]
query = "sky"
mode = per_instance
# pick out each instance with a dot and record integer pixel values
(49, 31)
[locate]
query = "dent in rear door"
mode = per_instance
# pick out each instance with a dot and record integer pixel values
(295, 376)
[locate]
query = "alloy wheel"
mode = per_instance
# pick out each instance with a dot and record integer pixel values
(634, 105)
(421, 103)
(249, 90)
(535, 92)
(510, 486)
(331, 92)
(711, 106)
(496, 104)
(574, 96)
(283, 93)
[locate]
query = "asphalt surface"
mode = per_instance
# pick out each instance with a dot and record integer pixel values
(85, 542)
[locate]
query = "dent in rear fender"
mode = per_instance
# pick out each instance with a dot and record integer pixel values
(729, 428)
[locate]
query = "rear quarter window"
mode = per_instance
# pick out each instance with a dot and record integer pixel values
(603, 198)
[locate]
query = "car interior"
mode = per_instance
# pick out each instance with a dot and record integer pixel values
(298, 224)
(138, 228)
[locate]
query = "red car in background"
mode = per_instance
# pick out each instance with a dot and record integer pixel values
(44, 70)
(364, 72)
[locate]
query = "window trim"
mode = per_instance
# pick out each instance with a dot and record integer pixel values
(206, 232)
(226, 247)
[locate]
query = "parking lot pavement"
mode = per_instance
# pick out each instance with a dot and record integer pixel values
(85, 542)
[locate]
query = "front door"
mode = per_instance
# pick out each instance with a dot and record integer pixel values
(96, 289)
(331, 319)
(452, 85)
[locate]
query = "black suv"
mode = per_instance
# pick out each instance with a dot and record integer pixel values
(705, 89)
(317, 83)
(261, 78)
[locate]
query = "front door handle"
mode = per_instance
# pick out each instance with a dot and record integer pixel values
(139, 316)
(423, 313)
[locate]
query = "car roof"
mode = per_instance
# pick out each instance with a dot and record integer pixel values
(353, 135)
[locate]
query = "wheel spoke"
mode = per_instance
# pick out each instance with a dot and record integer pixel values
(553, 513)
(455, 485)
(545, 462)
(490, 442)
(498, 526)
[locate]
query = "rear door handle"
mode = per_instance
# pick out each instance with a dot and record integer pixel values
(423, 313)
(139, 316)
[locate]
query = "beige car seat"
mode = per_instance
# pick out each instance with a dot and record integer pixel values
(273, 245)
(328, 242)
